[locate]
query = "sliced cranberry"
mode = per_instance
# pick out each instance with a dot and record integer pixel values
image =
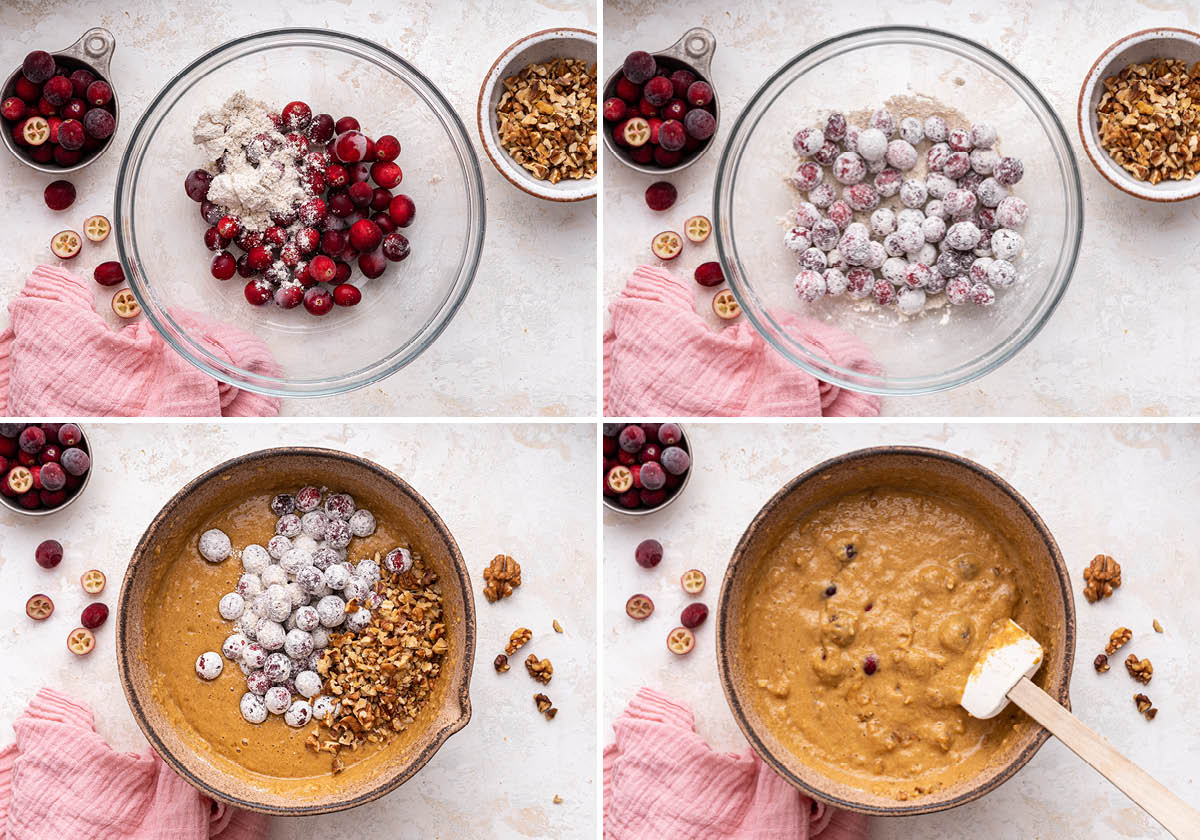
(372, 265)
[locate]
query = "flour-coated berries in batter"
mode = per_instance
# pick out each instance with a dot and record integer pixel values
(288, 525)
(255, 558)
(214, 545)
(849, 168)
(1001, 274)
(810, 286)
(271, 634)
(209, 665)
(308, 684)
(249, 585)
(883, 121)
(860, 283)
(872, 144)
(885, 293)
(911, 130)
(298, 714)
(933, 228)
(936, 156)
(982, 295)
(332, 611)
(362, 523)
(901, 155)
(298, 644)
(957, 165)
(233, 646)
(278, 668)
(313, 524)
(277, 545)
(252, 707)
(308, 498)
(983, 161)
(231, 606)
(1007, 244)
(1012, 212)
(323, 707)
(277, 699)
(835, 282)
(960, 204)
(808, 141)
(257, 682)
(910, 301)
(254, 655)
(938, 185)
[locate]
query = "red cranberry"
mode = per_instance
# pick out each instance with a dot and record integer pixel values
(38, 66)
(351, 147)
(43, 153)
(296, 116)
(31, 439)
(75, 461)
(26, 459)
(628, 91)
(647, 108)
(52, 498)
(343, 272)
(681, 80)
(196, 184)
(648, 554)
(80, 80)
(108, 274)
(386, 174)
(322, 269)
(676, 109)
(223, 265)
(672, 135)
(307, 240)
(639, 67)
(29, 92)
(361, 193)
(69, 434)
(75, 109)
(693, 615)
(699, 94)
(649, 452)
(259, 257)
(359, 172)
(372, 265)
(336, 176)
(661, 195)
(643, 154)
(402, 210)
(290, 255)
(380, 198)
(50, 454)
(632, 438)
(93, 616)
(289, 296)
(298, 143)
(59, 195)
(57, 90)
(71, 135)
(340, 204)
(303, 276)
(614, 109)
(395, 247)
(321, 129)
(709, 274)
(333, 242)
(13, 108)
(257, 291)
(346, 295)
(318, 301)
(228, 226)
(67, 157)
(210, 212)
(213, 240)
(98, 94)
(53, 477)
(365, 235)
(383, 220)
(346, 124)
(700, 124)
(99, 124)
(243, 267)
(870, 664)
(387, 148)
(658, 90)
(48, 554)
(275, 236)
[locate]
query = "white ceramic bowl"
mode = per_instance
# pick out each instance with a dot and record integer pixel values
(1137, 48)
(538, 47)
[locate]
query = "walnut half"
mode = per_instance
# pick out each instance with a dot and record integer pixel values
(501, 577)
(1101, 578)
(518, 639)
(540, 669)
(1118, 639)
(1140, 669)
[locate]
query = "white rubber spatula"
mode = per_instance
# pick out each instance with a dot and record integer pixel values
(1002, 673)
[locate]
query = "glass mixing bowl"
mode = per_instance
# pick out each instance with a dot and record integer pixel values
(402, 312)
(913, 71)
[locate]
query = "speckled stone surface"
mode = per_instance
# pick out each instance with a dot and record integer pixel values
(1124, 490)
(524, 342)
(1120, 342)
(497, 777)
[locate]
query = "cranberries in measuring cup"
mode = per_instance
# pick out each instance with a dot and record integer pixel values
(645, 465)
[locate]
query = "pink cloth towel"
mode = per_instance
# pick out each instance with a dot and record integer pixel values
(662, 359)
(59, 358)
(662, 781)
(61, 781)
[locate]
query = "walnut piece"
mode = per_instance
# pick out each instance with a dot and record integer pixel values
(558, 627)
(517, 640)
(1140, 669)
(546, 119)
(1148, 119)
(1157, 626)
(500, 663)
(558, 800)
(545, 706)
(501, 577)
(1101, 578)
(1117, 639)
(1100, 663)
(1145, 706)
(540, 669)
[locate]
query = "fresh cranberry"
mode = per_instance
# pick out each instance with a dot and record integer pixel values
(53, 477)
(259, 257)
(196, 184)
(31, 439)
(257, 292)
(283, 218)
(98, 94)
(345, 124)
(243, 267)
(387, 148)
(109, 274)
(333, 242)
(658, 90)
(296, 116)
(386, 174)
(290, 255)
(297, 143)
(75, 461)
(51, 430)
(647, 108)
(69, 434)
(48, 554)
(228, 226)
(275, 236)
(303, 276)
(52, 498)
(321, 129)
(289, 296)
(343, 272)
(80, 80)
(614, 109)
(351, 146)
(676, 109)
(359, 172)
(38, 66)
(346, 295)
(75, 109)
(336, 176)
(210, 212)
(681, 80)
(28, 92)
(699, 94)
(49, 455)
(709, 274)
(361, 194)
(59, 195)
(93, 616)
(43, 153)
(648, 554)
(31, 500)
(402, 210)
(26, 459)
(661, 195)
(649, 452)
(628, 91)
(67, 157)
(669, 434)
(213, 240)
(57, 90)
(380, 199)
(365, 235)
(318, 301)
(693, 615)
(322, 269)
(308, 240)
(13, 108)
(372, 265)
(631, 498)
(672, 135)
(395, 247)
(383, 220)
(340, 204)
(223, 265)
(643, 154)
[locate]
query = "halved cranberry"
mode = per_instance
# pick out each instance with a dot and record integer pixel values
(223, 265)
(402, 210)
(108, 274)
(48, 554)
(321, 129)
(13, 108)
(372, 265)
(387, 148)
(346, 124)
(346, 295)
(365, 235)
(59, 195)
(289, 296)
(386, 174)
(395, 247)
(318, 301)
(257, 291)
(99, 93)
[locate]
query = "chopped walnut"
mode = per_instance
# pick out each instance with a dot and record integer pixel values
(1148, 119)
(1157, 626)
(1140, 669)
(540, 669)
(558, 627)
(558, 800)
(501, 577)
(517, 640)
(1101, 578)
(546, 119)
(1100, 663)
(500, 663)
(1117, 640)
(1145, 706)
(383, 675)
(545, 706)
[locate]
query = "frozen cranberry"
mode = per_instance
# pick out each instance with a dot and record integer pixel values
(69, 434)
(700, 124)
(333, 242)
(346, 124)
(339, 204)
(196, 184)
(676, 460)
(57, 90)
(302, 276)
(383, 219)
(336, 176)
(259, 257)
(290, 255)
(211, 213)
(99, 124)
(229, 226)
(647, 108)
(386, 174)
(243, 267)
(639, 67)
(709, 274)
(699, 94)
(653, 476)
(351, 146)
(632, 438)
(360, 194)
(109, 274)
(27, 91)
(257, 291)
(80, 80)
(693, 615)
(359, 171)
(289, 296)
(666, 158)
(93, 616)
(318, 301)
(380, 199)
(38, 66)
(49, 455)
(661, 195)
(614, 109)
(98, 94)
(657, 91)
(321, 129)
(395, 247)
(59, 195)
(31, 439)
(387, 148)
(648, 554)
(372, 265)
(75, 109)
(71, 135)
(213, 240)
(48, 554)
(681, 80)
(365, 235)
(626, 90)
(297, 116)
(13, 108)
(223, 265)
(53, 477)
(669, 434)
(346, 295)
(402, 210)
(672, 135)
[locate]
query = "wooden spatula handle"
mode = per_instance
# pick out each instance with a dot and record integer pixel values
(1175, 815)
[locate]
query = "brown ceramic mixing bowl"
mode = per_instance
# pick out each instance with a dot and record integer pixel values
(392, 500)
(910, 468)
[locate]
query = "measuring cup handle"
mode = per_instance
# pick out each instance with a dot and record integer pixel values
(696, 47)
(95, 47)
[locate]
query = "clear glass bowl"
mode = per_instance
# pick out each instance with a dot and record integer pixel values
(402, 312)
(857, 73)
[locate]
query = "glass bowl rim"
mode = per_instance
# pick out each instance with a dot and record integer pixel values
(176, 338)
(989, 360)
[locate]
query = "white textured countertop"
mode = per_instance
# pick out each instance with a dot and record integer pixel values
(524, 342)
(1127, 491)
(496, 486)
(1120, 343)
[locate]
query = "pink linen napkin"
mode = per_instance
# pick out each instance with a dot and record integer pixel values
(661, 780)
(59, 358)
(61, 781)
(661, 359)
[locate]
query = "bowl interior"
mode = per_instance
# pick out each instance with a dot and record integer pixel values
(172, 536)
(913, 72)
(402, 312)
(923, 470)
(1137, 49)
(538, 48)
